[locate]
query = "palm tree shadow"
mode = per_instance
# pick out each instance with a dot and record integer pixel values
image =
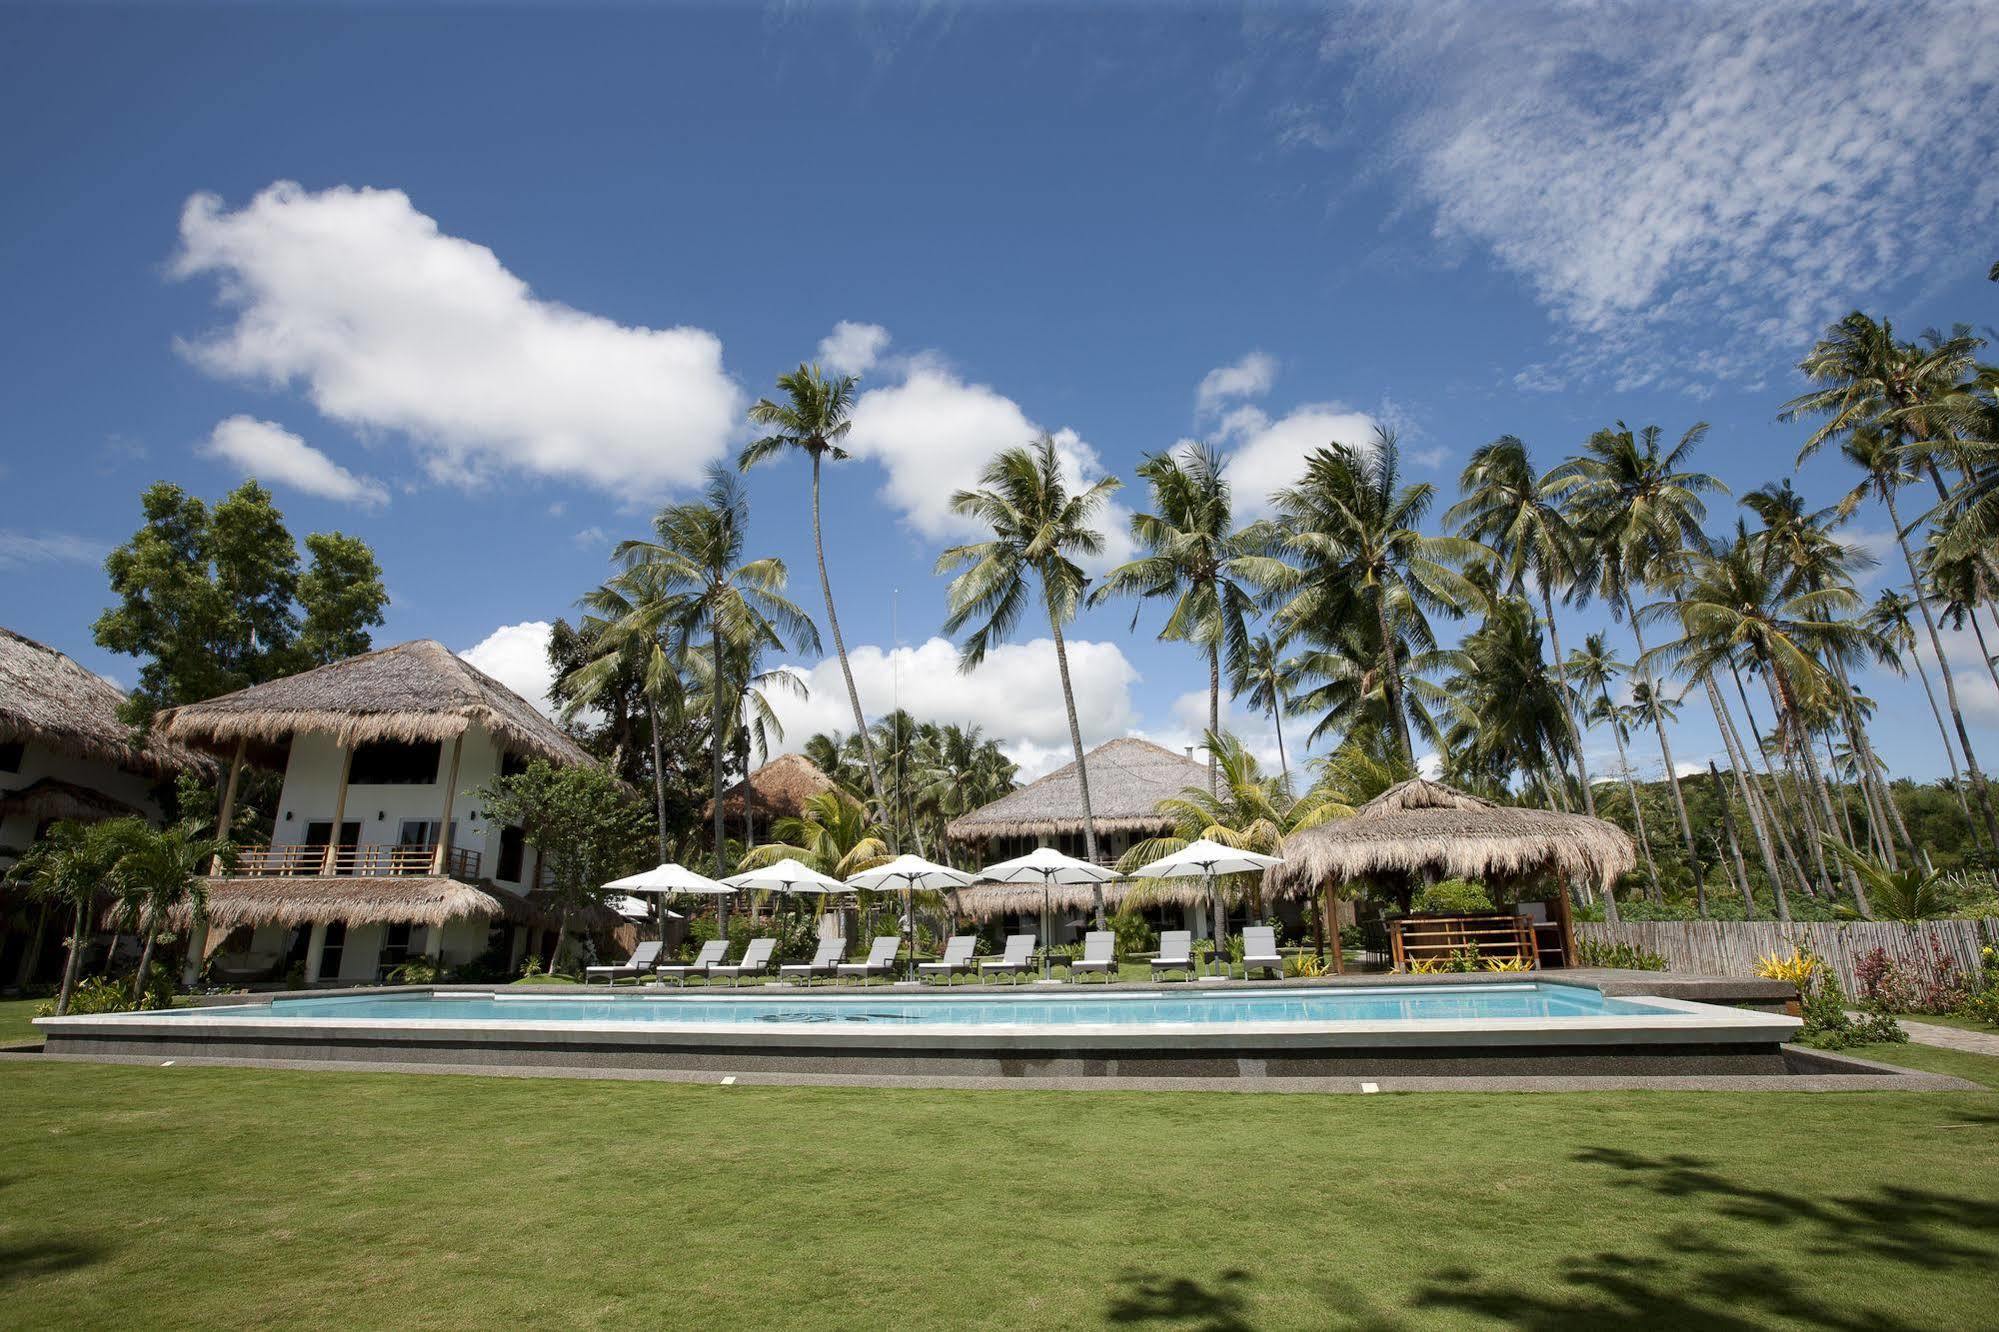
(20, 1263)
(1148, 1297)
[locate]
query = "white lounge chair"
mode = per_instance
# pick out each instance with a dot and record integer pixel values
(1018, 957)
(825, 962)
(1259, 952)
(957, 959)
(880, 960)
(756, 961)
(1099, 955)
(1176, 953)
(641, 962)
(711, 953)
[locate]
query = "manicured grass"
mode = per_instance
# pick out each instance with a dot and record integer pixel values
(1961, 1023)
(178, 1197)
(16, 1021)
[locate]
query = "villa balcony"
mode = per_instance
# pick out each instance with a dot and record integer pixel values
(361, 862)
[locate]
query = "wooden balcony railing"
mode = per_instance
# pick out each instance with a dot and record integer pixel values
(1441, 938)
(366, 861)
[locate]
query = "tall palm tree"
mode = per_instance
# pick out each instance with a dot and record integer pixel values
(1192, 554)
(1885, 469)
(615, 662)
(1518, 515)
(1637, 507)
(750, 724)
(689, 581)
(1039, 528)
(1363, 564)
(816, 414)
(1594, 666)
(1510, 716)
(69, 865)
(1889, 618)
(1264, 677)
(1912, 394)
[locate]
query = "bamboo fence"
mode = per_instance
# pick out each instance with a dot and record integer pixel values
(1932, 949)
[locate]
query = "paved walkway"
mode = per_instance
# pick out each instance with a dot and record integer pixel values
(1952, 1038)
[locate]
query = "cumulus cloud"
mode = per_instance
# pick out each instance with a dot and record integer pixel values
(851, 348)
(517, 656)
(933, 433)
(1251, 377)
(1761, 168)
(269, 452)
(1265, 455)
(20, 549)
(1188, 727)
(1014, 695)
(388, 323)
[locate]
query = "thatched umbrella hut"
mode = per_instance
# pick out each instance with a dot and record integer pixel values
(777, 790)
(1421, 831)
(1128, 780)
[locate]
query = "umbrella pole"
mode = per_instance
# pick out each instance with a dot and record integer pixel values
(1047, 932)
(909, 922)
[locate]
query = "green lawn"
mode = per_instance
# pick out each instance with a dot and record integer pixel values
(16, 1021)
(177, 1197)
(1961, 1023)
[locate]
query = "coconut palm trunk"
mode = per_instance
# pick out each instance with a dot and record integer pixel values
(1568, 701)
(1392, 682)
(1214, 706)
(145, 957)
(1949, 750)
(74, 964)
(1082, 768)
(716, 693)
(1739, 764)
(1801, 744)
(1788, 740)
(1637, 811)
(1778, 803)
(658, 778)
(1856, 730)
(1734, 844)
(840, 651)
(1277, 724)
(1665, 745)
(1943, 668)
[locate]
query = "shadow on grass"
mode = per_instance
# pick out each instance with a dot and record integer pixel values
(1686, 1278)
(45, 1258)
(1147, 1297)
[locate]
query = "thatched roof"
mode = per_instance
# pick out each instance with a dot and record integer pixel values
(983, 901)
(309, 900)
(53, 798)
(1128, 779)
(47, 699)
(410, 692)
(777, 790)
(1425, 829)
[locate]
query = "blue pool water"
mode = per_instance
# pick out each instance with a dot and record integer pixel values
(1462, 1003)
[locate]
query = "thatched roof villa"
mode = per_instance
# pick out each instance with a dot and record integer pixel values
(1128, 779)
(777, 790)
(379, 851)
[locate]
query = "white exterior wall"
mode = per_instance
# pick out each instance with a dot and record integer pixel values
(38, 761)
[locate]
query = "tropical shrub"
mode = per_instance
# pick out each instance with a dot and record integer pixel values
(1134, 936)
(1798, 968)
(417, 971)
(1895, 985)
(1623, 956)
(1507, 964)
(1307, 964)
(1828, 1024)
(103, 994)
(1452, 897)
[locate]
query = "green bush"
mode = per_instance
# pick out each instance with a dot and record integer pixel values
(1627, 957)
(1134, 936)
(1452, 897)
(108, 994)
(417, 971)
(1828, 1025)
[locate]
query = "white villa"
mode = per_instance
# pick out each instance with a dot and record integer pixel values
(380, 850)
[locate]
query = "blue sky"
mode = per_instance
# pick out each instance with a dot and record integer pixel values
(485, 287)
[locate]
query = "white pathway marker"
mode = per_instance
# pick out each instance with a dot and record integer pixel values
(729, 1081)
(1370, 1087)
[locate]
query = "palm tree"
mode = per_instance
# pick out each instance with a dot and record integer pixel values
(69, 865)
(1038, 527)
(615, 664)
(1907, 895)
(816, 415)
(750, 722)
(1889, 618)
(157, 871)
(830, 833)
(689, 580)
(1519, 517)
(1264, 677)
(1364, 565)
(1510, 718)
(1912, 394)
(1636, 508)
(1193, 555)
(1884, 471)
(1594, 665)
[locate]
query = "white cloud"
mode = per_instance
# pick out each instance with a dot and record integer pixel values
(388, 323)
(1645, 169)
(1251, 377)
(20, 549)
(851, 348)
(594, 538)
(1014, 695)
(269, 452)
(1189, 727)
(934, 433)
(1265, 455)
(517, 656)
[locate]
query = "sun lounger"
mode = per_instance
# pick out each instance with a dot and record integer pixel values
(641, 962)
(957, 959)
(711, 953)
(1259, 952)
(880, 960)
(756, 961)
(1099, 955)
(1176, 953)
(1018, 957)
(825, 962)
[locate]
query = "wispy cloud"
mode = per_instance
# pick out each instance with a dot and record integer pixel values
(19, 549)
(269, 452)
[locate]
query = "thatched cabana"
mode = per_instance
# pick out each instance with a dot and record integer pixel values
(47, 699)
(308, 900)
(777, 790)
(50, 798)
(416, 691)
(1421, 830)
(1128, 779)
(988, 901)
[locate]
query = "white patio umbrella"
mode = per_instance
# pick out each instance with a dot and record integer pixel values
(1206, 858)
(909, 873)
(786, 876)
(1045, 865)
(667, 880)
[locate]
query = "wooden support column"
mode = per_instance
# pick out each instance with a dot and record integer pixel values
(315, 950)
(326, 866)
(443, 857)
(197, 954)
(228, 812)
